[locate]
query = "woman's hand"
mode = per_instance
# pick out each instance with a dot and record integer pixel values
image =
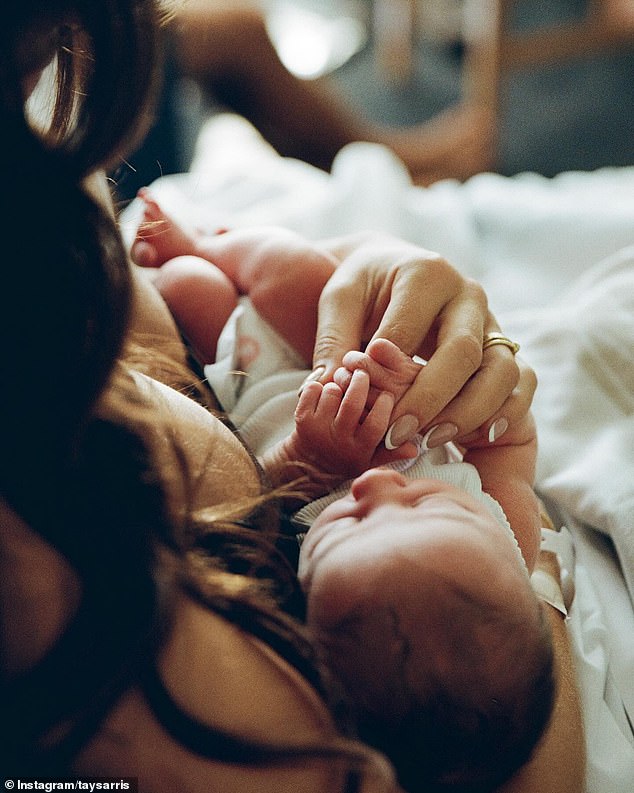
(384, 287)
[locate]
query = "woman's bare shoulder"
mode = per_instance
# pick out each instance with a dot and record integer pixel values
(213, 667)
(224, 679)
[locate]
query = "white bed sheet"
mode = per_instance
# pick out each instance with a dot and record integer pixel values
(552, 255)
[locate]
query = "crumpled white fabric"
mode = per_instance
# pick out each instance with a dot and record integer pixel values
(582, 348)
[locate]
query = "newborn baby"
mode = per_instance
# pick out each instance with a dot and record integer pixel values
(422, 602)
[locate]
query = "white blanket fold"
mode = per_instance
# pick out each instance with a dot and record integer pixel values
(582, 348)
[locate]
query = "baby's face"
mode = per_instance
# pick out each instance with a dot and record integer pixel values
(391, 530)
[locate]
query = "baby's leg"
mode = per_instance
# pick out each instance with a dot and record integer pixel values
(199, 295)
(282, 273)
(389, 368)
(287, 297)
(201, 299)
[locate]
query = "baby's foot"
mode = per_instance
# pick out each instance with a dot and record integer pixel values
(389, 368)
(159, 237)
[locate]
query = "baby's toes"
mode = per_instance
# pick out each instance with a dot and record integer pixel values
(144, 254)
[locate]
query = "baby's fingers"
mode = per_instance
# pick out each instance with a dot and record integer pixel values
(353, 405)
(343, 378)
(308, 400)
(389, 368)
(380, 376)
(376, 422)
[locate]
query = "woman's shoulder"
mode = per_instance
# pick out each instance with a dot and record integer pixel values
(187, 440)
(217, 671)
(221, 678)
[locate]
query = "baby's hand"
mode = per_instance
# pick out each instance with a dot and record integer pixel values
(337, 436)
(337, 433)
(388, 367)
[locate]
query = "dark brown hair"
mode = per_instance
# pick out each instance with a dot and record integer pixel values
(66, 294)
(460, 727)
(64, 311)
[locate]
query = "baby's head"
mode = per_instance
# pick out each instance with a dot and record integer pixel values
(423, 605)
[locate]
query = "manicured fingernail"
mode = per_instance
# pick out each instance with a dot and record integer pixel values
(497, 429)
(436, 436)
(402, 430)
(314, 375)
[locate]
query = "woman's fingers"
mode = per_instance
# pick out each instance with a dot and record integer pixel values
(513, 409)
(495, 397)
(427, 295)
(417, 300)
(387, 289)
(341, 319)
(454, 354)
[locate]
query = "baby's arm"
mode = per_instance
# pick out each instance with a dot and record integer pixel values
(506, 467)
(336, 437)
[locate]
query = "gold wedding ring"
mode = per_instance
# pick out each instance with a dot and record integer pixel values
(498, 338)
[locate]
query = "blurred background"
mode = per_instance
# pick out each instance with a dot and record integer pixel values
(561, 102)
(574, 114)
